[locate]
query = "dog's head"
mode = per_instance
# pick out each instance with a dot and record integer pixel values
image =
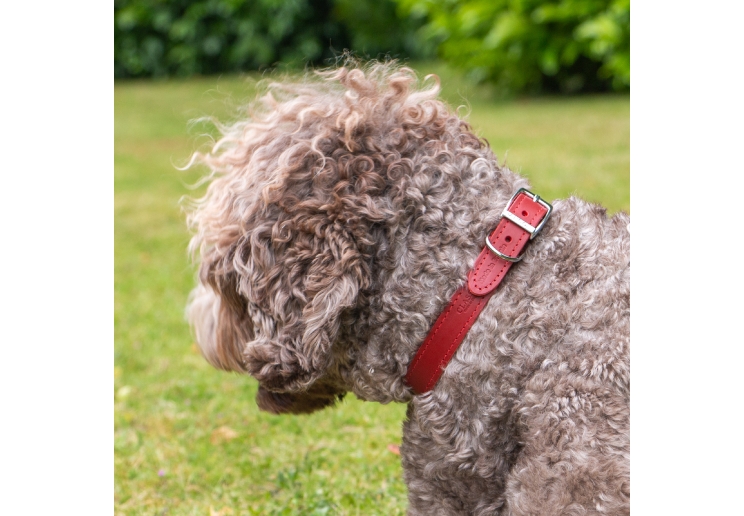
(308, 212)
(287, 231)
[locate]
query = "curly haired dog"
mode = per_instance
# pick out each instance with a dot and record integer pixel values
(339, 220)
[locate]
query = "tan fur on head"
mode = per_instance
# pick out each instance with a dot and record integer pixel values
(219, 329)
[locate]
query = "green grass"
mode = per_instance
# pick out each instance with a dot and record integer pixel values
(189, 439)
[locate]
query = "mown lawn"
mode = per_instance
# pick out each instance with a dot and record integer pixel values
(189, 439)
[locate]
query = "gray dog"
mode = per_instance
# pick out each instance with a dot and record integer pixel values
(339, 221)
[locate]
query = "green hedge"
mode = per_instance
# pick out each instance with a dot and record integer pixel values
(533, 45)
(180, 37)
(519, 45)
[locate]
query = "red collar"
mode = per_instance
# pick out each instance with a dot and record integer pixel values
(524, 216)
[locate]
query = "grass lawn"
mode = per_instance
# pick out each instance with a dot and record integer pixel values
(189, 439)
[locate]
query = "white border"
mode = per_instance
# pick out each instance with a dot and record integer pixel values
(57, 257)
(686, 170)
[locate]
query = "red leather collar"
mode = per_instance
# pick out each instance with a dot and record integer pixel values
(524, 216)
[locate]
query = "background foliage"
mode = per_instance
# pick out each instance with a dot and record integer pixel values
(528, 46)
(533, 45)
(155, 38)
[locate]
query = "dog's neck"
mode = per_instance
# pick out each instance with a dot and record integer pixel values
(405, 307)
(521, 221)
(427, 258)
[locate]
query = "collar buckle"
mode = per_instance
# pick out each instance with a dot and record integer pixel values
(533, 231)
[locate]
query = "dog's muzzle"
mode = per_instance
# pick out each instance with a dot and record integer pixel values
(316, 398)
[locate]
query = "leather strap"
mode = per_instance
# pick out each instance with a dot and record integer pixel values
(468, 301)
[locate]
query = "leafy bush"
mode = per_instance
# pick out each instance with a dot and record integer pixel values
(375, 27)
(533, 45)
(185, 37)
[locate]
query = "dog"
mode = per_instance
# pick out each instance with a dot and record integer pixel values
(340, 218)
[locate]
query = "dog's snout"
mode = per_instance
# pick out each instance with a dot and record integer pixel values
(295, 403)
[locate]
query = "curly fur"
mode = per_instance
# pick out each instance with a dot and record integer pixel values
(341, 216)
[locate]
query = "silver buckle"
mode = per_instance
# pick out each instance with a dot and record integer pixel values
(533, 231)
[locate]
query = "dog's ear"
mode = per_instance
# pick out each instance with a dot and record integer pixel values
(321, 276)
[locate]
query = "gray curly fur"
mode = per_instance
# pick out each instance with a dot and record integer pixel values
(341, 216)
